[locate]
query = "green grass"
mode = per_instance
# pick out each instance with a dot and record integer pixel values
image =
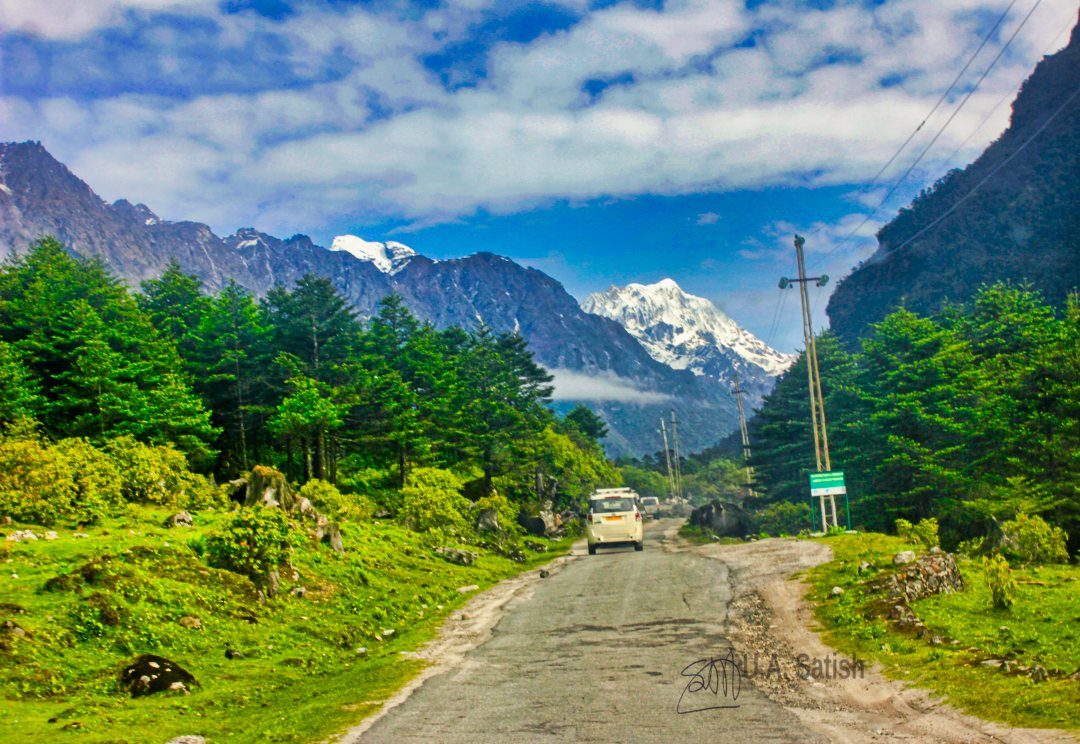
(701, 536)
(302, 677)
(1043, 627)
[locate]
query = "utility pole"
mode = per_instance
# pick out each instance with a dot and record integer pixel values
(678, 457)
(667, 457)
(817, 402)
(745, 438)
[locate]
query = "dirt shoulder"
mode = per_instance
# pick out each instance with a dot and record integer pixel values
(772, 624)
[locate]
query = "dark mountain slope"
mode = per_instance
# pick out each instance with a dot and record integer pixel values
(1012, 214)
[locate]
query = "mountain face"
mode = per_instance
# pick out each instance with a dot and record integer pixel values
(688, 332)
(594, 359)
(1012, 214)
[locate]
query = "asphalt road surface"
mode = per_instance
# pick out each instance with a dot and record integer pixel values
(622, 646)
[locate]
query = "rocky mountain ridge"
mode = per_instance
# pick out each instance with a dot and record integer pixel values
(684, 331)
(594, 359)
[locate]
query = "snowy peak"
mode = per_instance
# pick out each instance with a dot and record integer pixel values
(687, 332)
(388, 257)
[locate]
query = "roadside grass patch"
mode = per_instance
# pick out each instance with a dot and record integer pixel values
(1041, 628)
(311, 666)
(702, 536)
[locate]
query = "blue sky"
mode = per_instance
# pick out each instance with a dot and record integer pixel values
(602, 142)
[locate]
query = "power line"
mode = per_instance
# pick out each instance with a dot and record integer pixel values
(895, 155)
(1011, 92)
(935, 138)
(991, 174)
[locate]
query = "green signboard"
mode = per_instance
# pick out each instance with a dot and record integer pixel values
(827, 484)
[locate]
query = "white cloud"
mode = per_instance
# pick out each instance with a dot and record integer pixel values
(708, 218)
(70, 19)
(692, 114)
(606, 386)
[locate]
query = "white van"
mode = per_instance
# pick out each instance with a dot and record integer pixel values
(614, 519)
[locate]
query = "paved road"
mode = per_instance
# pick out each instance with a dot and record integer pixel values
(597, 654)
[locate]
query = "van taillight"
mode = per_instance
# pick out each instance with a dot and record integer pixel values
(637, 515)
(589, 519)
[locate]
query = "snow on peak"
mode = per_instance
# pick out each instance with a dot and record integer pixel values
(389, 257)
(685, 331)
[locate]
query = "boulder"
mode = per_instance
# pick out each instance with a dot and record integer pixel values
(149, 674)
(12, 629)
(903, 557)
(189, 622)
(333, 539)
(488, 521)
(723, 519)
(187, 739)
(533, 524)
(180, 519)
(457, 556)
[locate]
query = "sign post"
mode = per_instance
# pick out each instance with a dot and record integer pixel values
(831, 484)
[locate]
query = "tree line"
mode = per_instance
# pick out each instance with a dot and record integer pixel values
(294, 380)
(971, 416)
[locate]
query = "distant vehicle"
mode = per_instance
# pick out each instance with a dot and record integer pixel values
(651, 506)
(614, 519)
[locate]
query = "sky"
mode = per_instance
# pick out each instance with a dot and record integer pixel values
(601, 142)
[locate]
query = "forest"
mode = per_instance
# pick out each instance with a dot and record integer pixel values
(204, 386)
(970, 416)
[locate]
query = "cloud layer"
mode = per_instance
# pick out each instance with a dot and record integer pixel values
(604, 387)
(335, 111)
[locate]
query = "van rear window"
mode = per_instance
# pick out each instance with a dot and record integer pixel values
(601, 506)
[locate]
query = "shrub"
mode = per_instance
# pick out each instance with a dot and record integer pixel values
(782, 518)
(507, 511)
(1003, 586)
(254, 541)
(1032, 540)
(150, 474)
(47, 483)
(925, 533)
(972, 547)
(336, 505)
(376, 484)
(432, 502)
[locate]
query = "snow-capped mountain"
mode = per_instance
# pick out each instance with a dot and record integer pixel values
(688, 332)
(389, 257)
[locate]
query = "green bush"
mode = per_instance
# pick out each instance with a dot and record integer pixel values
(782, 518)
(507, 511)
(378, 485)
(47, 483)
(334, 504)
(1003, 586)
(972, 547)
(157, 474)
(1032, 540)
(254, 541)
(432, 502)
(925, 533)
